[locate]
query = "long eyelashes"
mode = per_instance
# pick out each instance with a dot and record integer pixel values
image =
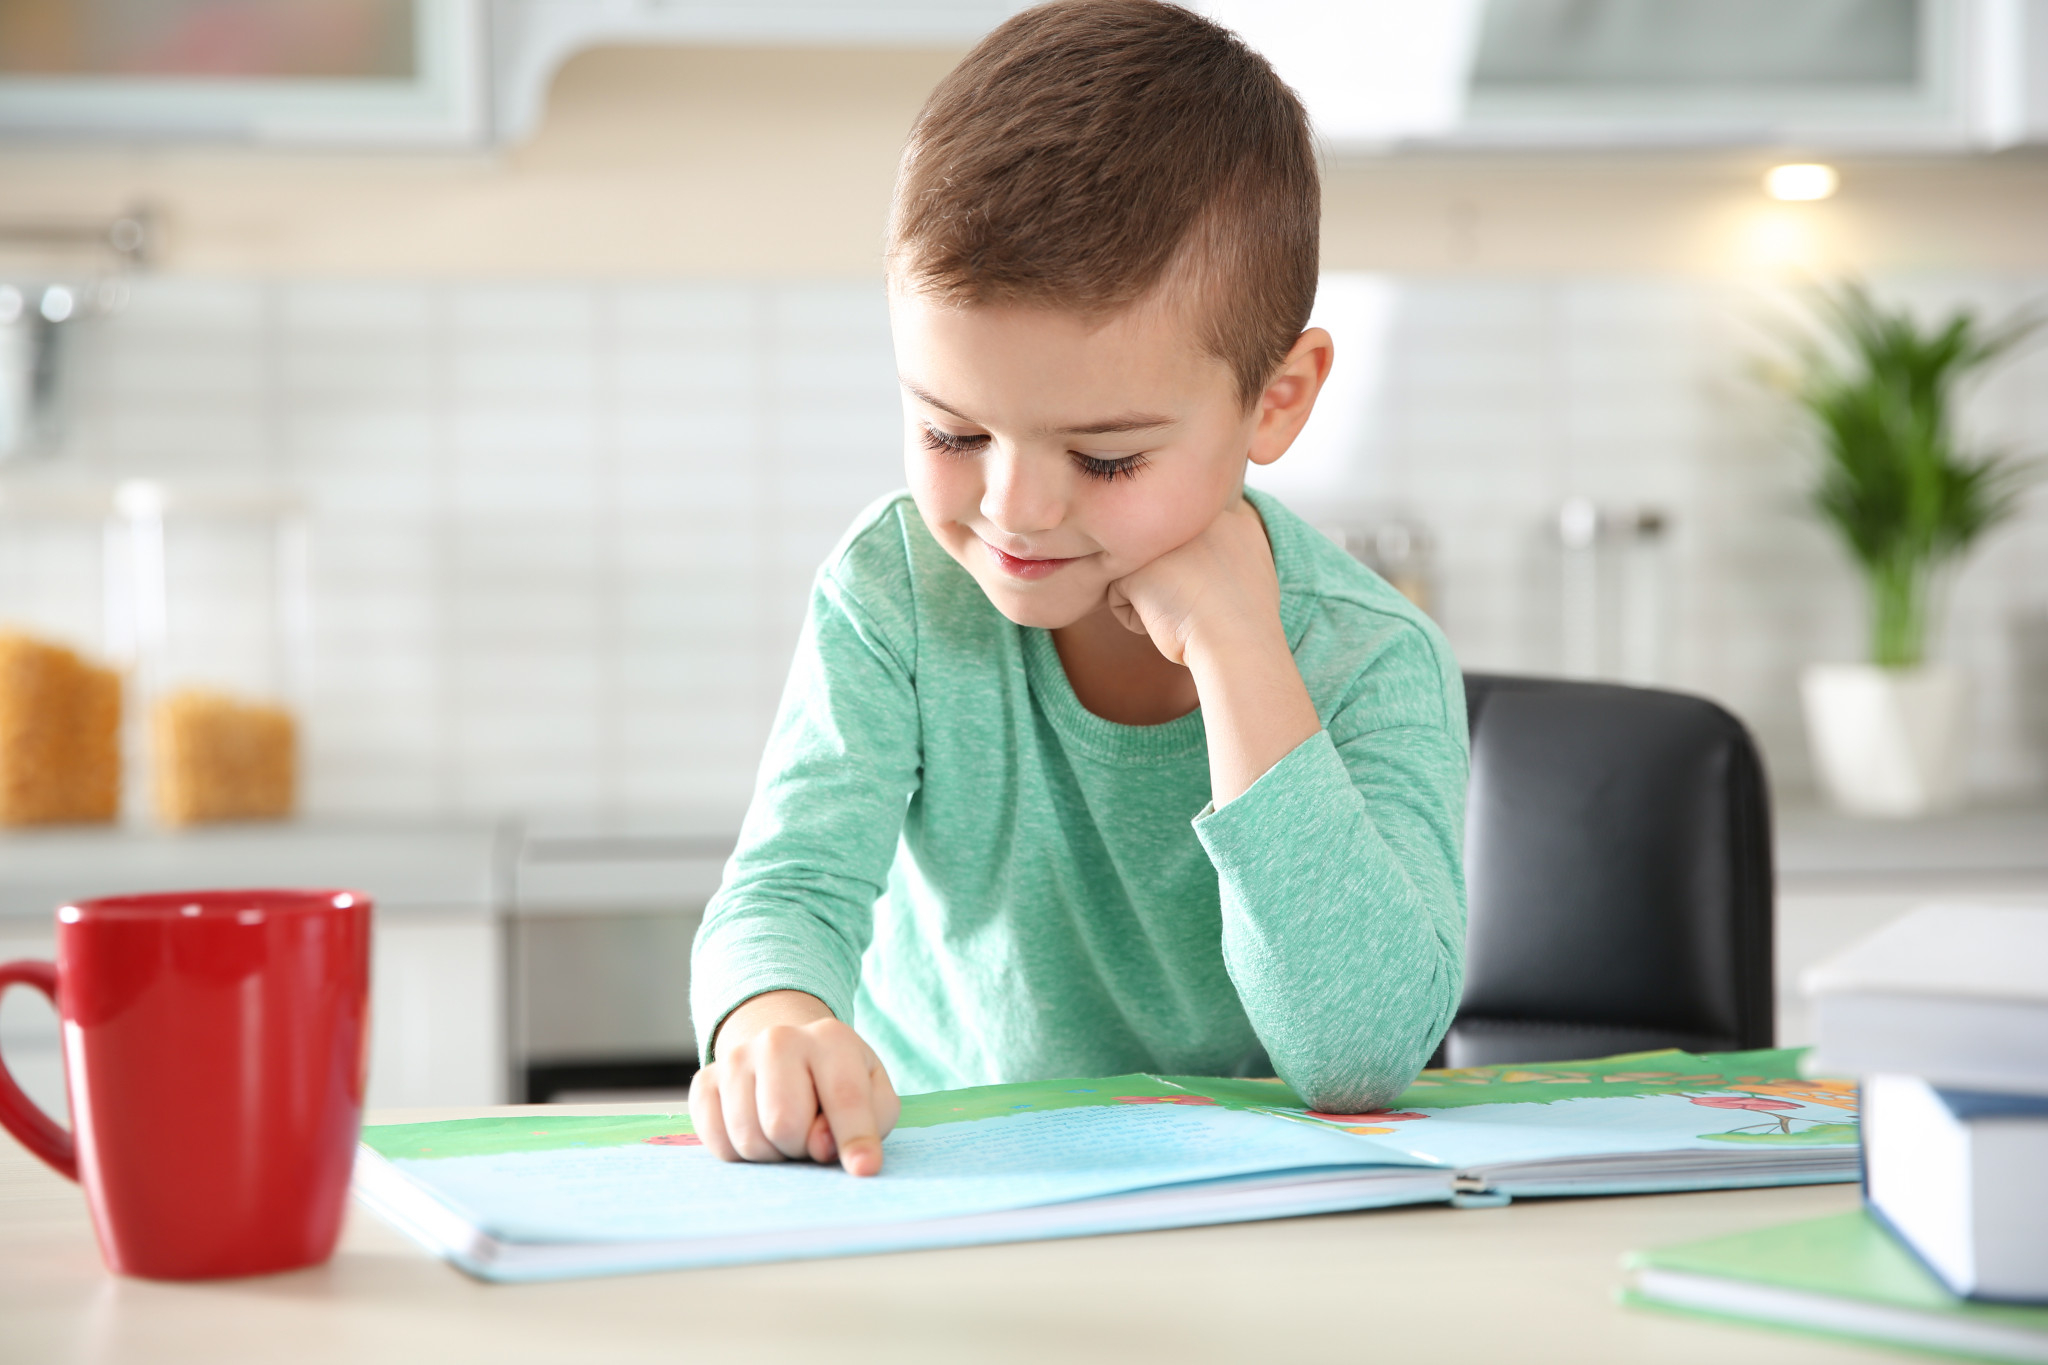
(947, 443)
(1109, 471)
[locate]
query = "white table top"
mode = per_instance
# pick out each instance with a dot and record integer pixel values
(1531, 1282)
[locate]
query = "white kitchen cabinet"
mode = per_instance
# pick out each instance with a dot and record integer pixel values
(429, 73)
(1841, 879)
(599, 932)
(437, 1035)
(437, 1012)
(411, 74)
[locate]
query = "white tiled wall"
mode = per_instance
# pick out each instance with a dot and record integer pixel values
(1503, 398)
(560, 535)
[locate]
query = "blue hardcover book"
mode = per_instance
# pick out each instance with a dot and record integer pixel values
(540, 1196)
(1962, 1178)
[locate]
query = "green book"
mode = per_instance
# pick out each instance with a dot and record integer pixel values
(1844, 1276)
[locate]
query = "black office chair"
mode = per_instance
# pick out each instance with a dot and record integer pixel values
(1618, 869)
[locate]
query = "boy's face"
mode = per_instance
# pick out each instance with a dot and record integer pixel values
(1051, 457)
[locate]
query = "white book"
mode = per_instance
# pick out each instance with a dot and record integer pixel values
(1962, 1177)
(1954, 993)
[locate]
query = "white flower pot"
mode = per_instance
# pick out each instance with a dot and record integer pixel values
(1886, 741)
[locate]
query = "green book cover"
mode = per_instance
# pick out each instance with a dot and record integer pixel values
(1842, 1276)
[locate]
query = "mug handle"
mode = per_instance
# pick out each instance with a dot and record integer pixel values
(19, 1115)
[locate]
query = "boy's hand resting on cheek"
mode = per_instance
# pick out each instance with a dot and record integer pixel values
(1220, 584)
(1213, 606)
(791, 1082)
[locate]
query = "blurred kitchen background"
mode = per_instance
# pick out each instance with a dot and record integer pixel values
(483, 380)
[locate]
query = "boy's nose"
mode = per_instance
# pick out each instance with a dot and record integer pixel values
(1022, 496)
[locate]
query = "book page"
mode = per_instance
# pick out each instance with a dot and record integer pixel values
(631, 1186)
(1649, 1102)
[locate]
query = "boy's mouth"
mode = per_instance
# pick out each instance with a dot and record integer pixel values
(1018, 567)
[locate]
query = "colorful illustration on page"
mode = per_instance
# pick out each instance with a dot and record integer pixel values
(1760, 1093)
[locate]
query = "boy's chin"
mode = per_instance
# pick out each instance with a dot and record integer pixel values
(1044, 611)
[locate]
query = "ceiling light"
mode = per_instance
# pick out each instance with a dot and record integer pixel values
(1801, 182)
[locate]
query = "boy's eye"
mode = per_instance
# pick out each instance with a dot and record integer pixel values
(1109, 471)
(951, 443)
(946, 441)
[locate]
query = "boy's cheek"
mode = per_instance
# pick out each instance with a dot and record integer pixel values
(1142, 523)
(945, 496)
(940, 474)
(1133, 523)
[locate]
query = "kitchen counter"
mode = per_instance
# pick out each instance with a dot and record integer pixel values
(500, 947)
(438, 979)
(1982, 844)
(436, 868)
(1841, 879)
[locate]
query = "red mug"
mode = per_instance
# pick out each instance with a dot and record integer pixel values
(214, 1052)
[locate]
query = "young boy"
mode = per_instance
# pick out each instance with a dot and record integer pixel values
(1091, 762)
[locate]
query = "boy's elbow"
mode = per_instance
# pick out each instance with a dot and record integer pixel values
(1391, 1038)
(1358, 1090)
(1366, 1098)
(1374, 1079)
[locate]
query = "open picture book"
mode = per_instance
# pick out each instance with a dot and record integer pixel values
(536, 1196)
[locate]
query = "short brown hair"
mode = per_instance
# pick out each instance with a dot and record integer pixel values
(1086, 148)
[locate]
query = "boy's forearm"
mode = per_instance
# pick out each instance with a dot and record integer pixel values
(1343, 920)
(1255, 707)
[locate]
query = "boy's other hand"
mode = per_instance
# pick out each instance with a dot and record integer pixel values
(1221, 584)
(790, 1082)
(1213, 605)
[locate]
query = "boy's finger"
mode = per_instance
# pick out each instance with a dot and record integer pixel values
(742, 1121)
(820, 1145)
(707, 1115)
(785, 1103)
(848, 1103)
(887, 1107)
(861, 1155)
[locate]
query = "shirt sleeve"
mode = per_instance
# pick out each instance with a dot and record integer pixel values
(796, 908)
(1342, 886)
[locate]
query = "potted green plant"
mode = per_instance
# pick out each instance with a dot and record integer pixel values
(1908, 501)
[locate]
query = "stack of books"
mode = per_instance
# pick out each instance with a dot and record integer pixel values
(1944, 1016)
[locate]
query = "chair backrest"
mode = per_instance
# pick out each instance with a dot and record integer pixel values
(1618, 869)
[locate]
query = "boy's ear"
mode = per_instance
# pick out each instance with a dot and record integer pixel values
(1290, 395)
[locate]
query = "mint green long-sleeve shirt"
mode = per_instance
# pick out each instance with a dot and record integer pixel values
(991, 883)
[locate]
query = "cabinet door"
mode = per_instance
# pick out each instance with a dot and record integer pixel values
(436, 1012)
(436, 1018)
